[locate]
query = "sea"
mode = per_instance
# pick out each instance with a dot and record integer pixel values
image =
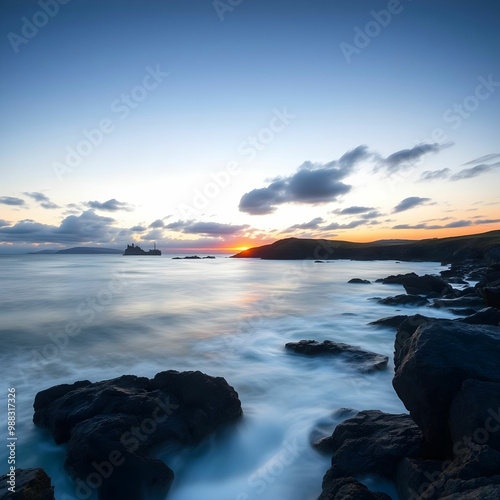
(74, 317)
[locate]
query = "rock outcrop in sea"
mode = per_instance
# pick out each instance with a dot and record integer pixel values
(110, 427)
(364, 361)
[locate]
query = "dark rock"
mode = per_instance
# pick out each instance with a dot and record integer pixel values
(426, 284)
(391, 321)
(30, 484)
(374, 442)
(475, 414)
(490, 277)
(404, 300)
(492, 296)
(365, 361)
(466, 311)
(360, 281)
(397, 279)
(319, 437)
(470, 475)
(407, 328)
(457, 281)
(117, 421)
(441, 355)
(486, 316)
(468, 291)
(467, 301)
(319, 261)
(414, 476)
(348, 488)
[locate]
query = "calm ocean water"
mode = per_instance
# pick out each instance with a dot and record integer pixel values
(67, 317)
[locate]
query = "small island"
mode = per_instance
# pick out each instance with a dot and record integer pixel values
(137, 250)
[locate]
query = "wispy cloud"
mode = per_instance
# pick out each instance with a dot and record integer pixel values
(482, 159)
(352, 210)
(409, 203)
(312, 224)
(432, 175)
(43, 200)
(12, 201)
(215, 229)
(406, 158)
(112, 205)
(468, 173)
(450, 225)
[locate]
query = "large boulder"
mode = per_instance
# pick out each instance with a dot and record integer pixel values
(111, 425)
(373, 442)
(396, 279)
(475, 414)
(423, 285)
(29, 484)
(439, 357)
(404, 332)
(364, 361)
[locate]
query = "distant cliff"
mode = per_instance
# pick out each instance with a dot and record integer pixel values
(484, 246)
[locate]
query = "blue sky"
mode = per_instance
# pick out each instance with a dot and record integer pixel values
(223, 124)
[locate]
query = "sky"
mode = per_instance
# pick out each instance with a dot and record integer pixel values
(217, 125)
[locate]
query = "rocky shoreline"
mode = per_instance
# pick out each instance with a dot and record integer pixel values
(447, 374)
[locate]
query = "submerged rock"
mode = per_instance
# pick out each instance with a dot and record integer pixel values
(110, 426)
(365, 361)
(360, 281)
(30, 484)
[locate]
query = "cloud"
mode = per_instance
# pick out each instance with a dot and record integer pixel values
(407, 157)
(211, 229)
(157, 224)
(372, 215)
(44, 200)
(110, 205)
(408, 203)
(353, 210)
(86, 228)
(37, 196)
(450, 225)
(312, 224)
(10, 200)
(468, 173)
(349, 225)
(482, 159)
(432, 175)
(313, 183)
(137, 229)
(4, 223)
